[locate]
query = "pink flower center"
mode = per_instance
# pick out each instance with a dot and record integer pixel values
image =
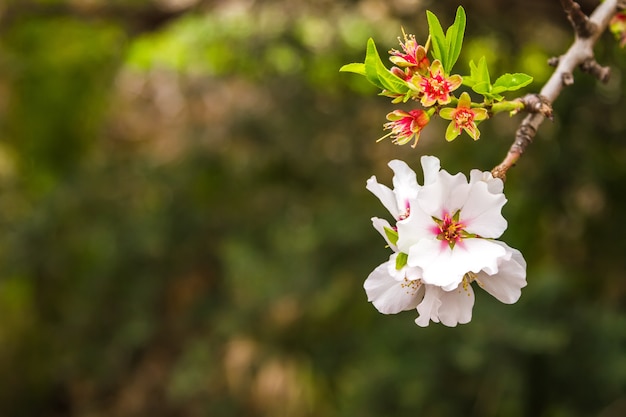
(463, 117)
(435, 86)
(450, 230)
(407, 211)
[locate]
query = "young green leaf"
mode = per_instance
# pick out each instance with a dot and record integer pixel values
(356, 67)
(511, 82)
(376, 70)
(438, 39)
(371, 64)
(454, 39)
(478, 73)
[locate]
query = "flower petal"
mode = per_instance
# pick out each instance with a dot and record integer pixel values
(404, 182)
(465, 100)
(384, 194)
(428, 308)
(506, 285)
(380, 225)
(445, 267)
(454, 81)
(417, 226)
(447, 113)
(456, 305)
(494, 185)
(447, 194)
(431, 167)
(388, 295)
(482, 211)
(452, 132)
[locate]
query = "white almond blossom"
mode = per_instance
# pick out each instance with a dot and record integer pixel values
(442, 241)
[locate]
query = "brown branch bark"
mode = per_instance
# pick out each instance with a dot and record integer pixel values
(580, 54)
(581, 23)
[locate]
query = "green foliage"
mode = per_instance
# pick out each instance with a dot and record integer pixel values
(480, 81)
(447, 48)
(376, 73)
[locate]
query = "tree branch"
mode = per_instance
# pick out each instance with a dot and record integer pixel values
(581, 23)
(580, 54)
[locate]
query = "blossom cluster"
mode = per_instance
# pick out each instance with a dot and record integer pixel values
(431, 86)
(424, 74)
(443, 239)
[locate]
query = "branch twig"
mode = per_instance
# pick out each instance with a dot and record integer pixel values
(580, 54)
(581, 23)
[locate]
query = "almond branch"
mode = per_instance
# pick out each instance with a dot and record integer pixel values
(579, 55)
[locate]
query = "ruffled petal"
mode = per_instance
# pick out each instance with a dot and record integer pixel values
(380, 225)
(456, 305)
(404, 182)
(445, 267)
(447, 193)
(431, 167)
(419, 225)
(448, 307)
(406, 272)
(482, 211)
(435, 258)
(428, 308)
(506, 285)
(385, 195)
(388, 295)
(494, 185)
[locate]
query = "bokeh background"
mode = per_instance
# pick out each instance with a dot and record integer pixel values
(185, 230)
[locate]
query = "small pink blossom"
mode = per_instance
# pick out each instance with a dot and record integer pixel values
(435, 87)
(405, 126)
(413, 56)
(463, 117)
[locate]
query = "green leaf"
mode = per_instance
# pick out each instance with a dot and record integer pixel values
(511, 82)
(378, 74)
(357, 68)
(482, 87)
(401, 260)
(371, 61)
(478, 73)
(437, 38)
(454, 39)
(392, 235)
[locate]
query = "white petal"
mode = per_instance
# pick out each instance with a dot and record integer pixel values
(380, 225)
(445, 195)
(481, 212)
(495, 185)
(456, 305)
(506, 285)
(388, 295)
(480, 254)
(431, 167)
(404, 182)
(418, 225)
(438, 265)
(445, 267)
(408, 272)
(428, 309)
(385, 195)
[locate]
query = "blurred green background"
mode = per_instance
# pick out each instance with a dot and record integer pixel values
(185, 230)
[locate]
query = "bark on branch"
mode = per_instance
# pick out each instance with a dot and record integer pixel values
(579, 55)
